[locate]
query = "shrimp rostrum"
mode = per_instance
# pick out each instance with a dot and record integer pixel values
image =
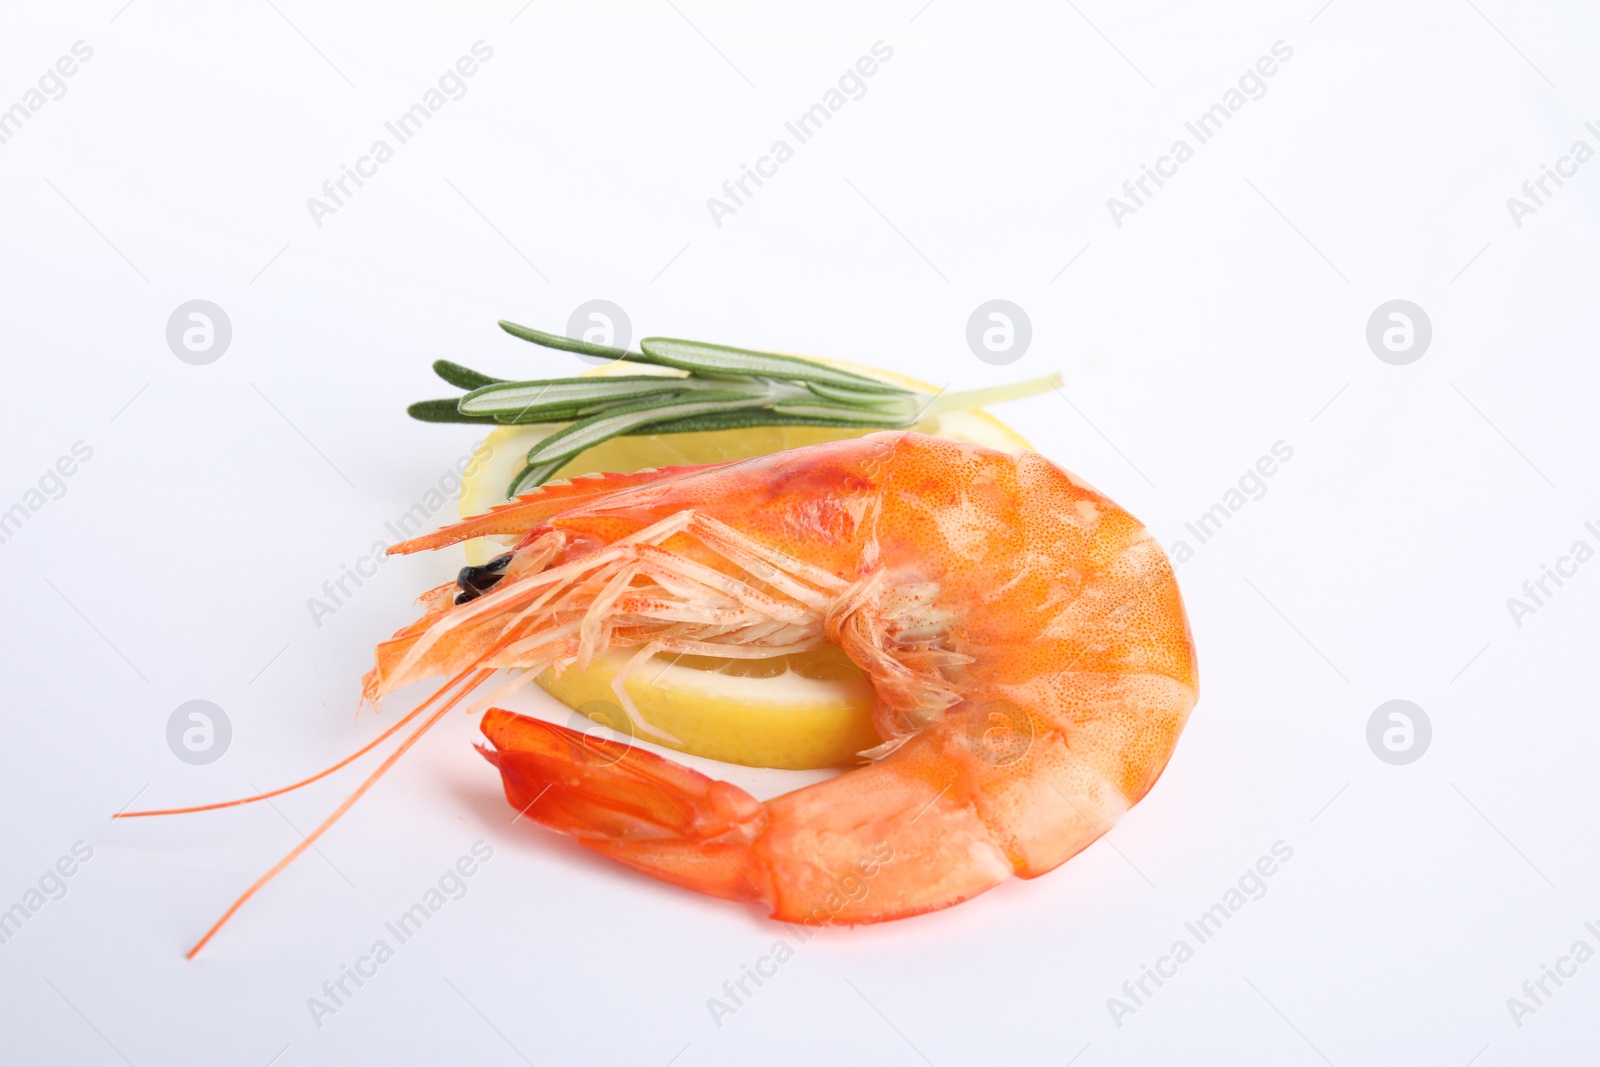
(1024, 636)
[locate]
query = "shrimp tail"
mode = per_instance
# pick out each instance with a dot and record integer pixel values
(656, 816)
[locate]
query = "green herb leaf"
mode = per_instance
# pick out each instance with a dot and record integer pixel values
(852, 396)
(700, 358)
(850, 416)
(746, 418)
(442, 411)
(567, 344)
(462, 377)
(531, 400)
(586, 433)
(540, 401)
(533, 476)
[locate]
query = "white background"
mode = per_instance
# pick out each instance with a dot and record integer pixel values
(1229, 313)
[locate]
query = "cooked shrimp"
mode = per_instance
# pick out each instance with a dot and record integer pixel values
(1024, 636)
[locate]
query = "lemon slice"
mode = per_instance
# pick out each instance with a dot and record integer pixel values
(796, 712)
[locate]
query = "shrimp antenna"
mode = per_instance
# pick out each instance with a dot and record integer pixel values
(472, 683)
(357, 754)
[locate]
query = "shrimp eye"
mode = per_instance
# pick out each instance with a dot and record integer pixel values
(476, 581)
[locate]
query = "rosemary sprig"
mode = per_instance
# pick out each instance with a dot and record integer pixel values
(713, 387)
